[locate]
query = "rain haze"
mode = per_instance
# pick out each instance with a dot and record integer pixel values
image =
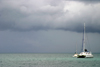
(48, 26)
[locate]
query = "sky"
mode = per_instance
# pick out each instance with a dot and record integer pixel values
(49, 26)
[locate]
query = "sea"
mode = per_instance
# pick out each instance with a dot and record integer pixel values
(47, 60)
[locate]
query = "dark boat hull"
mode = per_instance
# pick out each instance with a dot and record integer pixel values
(81, 56)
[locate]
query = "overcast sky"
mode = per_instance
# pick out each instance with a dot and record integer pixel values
(43, 26)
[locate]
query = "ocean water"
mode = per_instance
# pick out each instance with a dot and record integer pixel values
(47, 60)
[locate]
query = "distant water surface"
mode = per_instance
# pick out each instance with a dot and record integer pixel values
(47, 60)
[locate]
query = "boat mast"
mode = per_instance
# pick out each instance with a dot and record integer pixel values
(84, 39)
(76, 47)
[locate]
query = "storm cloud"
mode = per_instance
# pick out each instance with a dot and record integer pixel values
(54, 26)
(33, 15)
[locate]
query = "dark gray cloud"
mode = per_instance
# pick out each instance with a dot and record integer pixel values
(49, 14)
(90, 1)
(86, 1)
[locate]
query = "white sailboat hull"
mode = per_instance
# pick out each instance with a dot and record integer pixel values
(89, 56)
(85, 55)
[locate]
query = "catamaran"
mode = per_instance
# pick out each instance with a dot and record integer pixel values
(85, 53)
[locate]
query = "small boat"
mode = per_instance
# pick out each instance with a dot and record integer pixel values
(75, 55)
(85, 53)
